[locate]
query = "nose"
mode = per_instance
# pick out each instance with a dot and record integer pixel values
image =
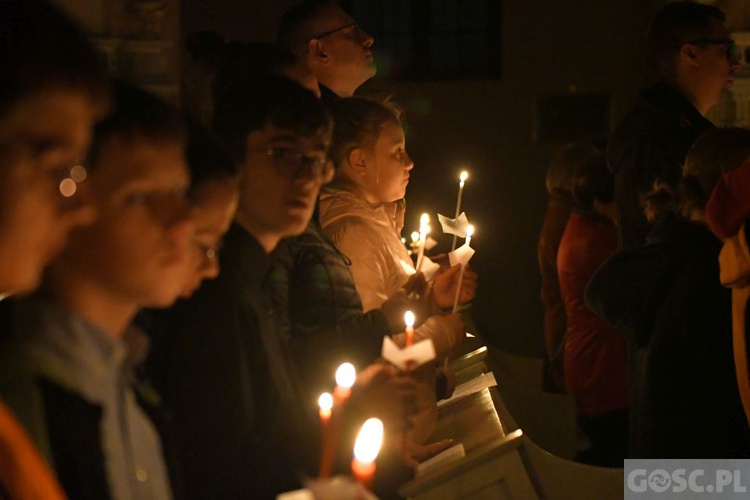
(408, 163)
(367, 39)
(734, 64)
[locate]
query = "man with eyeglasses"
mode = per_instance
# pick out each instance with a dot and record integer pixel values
(337, 51)
(696, 64)
(693, 55)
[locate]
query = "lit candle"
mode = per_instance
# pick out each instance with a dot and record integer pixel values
(325, 402)
(414, 242)
(366, 449)
(424, 229)
(462, 180)
(469, 233)
(345, 377)
(409, 321)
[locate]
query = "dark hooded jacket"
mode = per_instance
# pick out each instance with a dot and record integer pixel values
(650, 145)
(685, 401)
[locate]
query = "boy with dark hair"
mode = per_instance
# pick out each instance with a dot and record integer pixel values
(74, 338)
(52, 88)
(696, 65)
(220, 364)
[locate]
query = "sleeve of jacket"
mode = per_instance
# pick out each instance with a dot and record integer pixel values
(369, 263)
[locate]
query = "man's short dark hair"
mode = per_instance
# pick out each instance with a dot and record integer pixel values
(136, 113)
(676, 24)
(267, 100)
(296, 26)
(41, 48)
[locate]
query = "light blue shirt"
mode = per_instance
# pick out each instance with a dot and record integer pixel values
(97, 366)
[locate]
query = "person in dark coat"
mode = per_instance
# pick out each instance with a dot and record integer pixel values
(696, 65)
(685, 399)
(595, 369)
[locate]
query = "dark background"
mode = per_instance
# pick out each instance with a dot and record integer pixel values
(488, 119)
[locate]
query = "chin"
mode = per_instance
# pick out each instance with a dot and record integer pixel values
(20, 281)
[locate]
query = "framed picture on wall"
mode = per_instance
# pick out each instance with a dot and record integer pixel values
(433, 39)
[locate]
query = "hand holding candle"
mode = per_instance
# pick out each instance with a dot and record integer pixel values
(366, 449)
(462, 180)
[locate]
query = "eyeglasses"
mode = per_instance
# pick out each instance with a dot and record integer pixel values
(733, 52)
(342, 28)
(208, 253)
(290, 162)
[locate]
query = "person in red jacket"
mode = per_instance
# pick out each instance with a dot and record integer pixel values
(595, 357)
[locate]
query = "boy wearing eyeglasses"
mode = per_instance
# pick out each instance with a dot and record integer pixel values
(219, 363)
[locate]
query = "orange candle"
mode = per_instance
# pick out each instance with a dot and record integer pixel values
(409, 322)
(345, 378)
(325, 402)
(346, 375)
(366, 449)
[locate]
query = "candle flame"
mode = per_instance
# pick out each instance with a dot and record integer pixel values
(409, 318)
(470, 231)
(325, 401)
(346, 375)
(424, 219)
(369, 440)
(464, 176)
(415, 236)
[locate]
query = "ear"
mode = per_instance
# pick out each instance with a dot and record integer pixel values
(356, 161)
(689, 54)
(316, 52)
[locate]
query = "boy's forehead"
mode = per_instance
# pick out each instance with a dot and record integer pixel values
(124, 160)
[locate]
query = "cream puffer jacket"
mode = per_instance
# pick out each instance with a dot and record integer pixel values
(369, 235)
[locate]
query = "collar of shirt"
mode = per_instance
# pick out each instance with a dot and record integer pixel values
(73, 352)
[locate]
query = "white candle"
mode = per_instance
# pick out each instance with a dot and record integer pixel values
(409, 322)
(469, 233)
(424, 229)
(462, 180)
(366, 450)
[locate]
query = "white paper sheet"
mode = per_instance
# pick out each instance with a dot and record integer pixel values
(471, 387)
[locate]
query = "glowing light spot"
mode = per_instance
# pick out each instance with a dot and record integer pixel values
(369, 441)
(346, 375)
(325, 401)
(78, 173)
(68, 187)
